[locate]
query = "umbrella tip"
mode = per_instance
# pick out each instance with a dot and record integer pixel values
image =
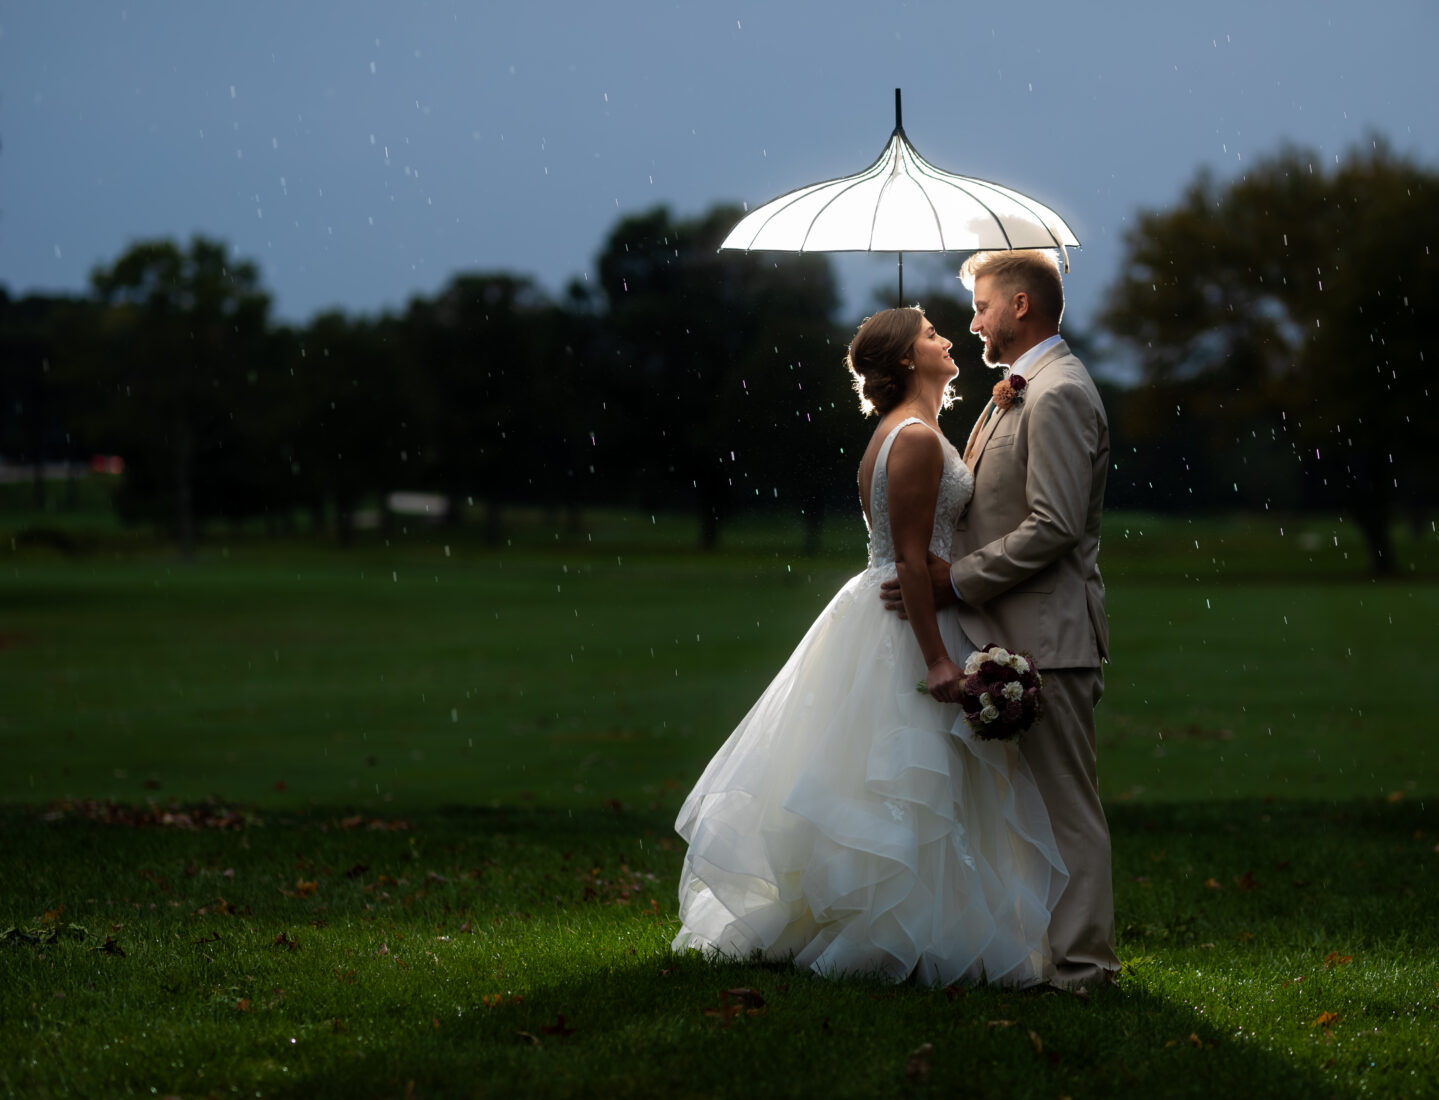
(898, 116)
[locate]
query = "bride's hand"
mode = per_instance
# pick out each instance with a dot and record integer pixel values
(943, 680)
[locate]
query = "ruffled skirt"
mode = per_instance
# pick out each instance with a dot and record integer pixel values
(855, 826)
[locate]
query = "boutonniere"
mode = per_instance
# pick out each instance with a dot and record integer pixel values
(1009, 392)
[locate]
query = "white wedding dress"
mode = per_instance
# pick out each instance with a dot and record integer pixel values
(854, 825)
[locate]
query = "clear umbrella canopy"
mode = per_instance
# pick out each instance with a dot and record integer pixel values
(901, 203)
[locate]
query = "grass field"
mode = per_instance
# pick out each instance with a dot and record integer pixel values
(447, 774)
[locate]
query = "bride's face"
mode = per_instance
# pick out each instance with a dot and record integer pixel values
(930, 354)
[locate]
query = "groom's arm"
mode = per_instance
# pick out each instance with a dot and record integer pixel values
(939, 582)
(1063, 431)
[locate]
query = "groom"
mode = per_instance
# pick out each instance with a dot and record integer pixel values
(1024, 573)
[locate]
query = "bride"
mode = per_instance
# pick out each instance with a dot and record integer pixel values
(851, 823)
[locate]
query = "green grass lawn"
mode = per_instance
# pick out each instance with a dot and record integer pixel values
(450, 870)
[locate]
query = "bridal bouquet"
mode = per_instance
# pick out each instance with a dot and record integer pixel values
(1000, 693)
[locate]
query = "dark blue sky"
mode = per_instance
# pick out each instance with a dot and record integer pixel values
(362, 152)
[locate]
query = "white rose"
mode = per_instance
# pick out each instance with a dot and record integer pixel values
(989, 713)
(985, 700)
(1020, 664)
(972, 663)
(1013, 691)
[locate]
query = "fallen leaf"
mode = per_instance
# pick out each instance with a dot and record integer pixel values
(1212, 884)
(745, 997)
(110, 947)
(1247, 881)
(999, 1024)
(243, 1005)
(304, 889)
(917, 1068)
(357, 870)
(558, 1027)
(1036, 1042)
(284, 940)
(1335, 959)
(528, 1038)
(1324, 1019)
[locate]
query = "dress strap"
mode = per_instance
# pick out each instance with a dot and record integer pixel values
(881, 461)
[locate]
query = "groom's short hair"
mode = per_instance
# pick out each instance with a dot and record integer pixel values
(1035, 271)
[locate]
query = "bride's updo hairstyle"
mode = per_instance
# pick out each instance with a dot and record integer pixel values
(876, 355)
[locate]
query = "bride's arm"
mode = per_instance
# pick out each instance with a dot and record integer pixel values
(915, 466)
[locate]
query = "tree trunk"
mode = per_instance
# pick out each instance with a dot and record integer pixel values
(185, 489)
(494, 522)
(39, 482)
(1373, 520)
(813, 524)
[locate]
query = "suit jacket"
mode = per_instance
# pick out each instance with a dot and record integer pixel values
(1026, 549)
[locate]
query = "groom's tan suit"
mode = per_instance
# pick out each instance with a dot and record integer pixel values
(1024, 565)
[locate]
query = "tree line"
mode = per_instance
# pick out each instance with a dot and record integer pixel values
(1276, 322)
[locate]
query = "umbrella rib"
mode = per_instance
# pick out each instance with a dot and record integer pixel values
(921, 164)
(783, 202)
(967, 185)
(850, 183)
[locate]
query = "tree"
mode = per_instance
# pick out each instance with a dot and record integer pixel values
(344, 435)
(38, 350)
(182, 335)
(1287, 312)
(479, 363)
(710, 358)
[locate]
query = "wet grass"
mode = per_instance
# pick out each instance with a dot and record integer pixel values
(452, 872)
(1271, 949)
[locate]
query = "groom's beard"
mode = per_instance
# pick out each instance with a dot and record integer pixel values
(1000, 338)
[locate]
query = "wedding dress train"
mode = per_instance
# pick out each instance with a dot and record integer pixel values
(855, 825)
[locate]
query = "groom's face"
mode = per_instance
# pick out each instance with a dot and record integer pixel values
(993, 320)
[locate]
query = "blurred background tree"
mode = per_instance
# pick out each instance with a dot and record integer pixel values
(180, 340)
(1279, 323)
(1276, 322)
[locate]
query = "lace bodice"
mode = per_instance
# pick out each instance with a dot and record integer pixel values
(956, 486)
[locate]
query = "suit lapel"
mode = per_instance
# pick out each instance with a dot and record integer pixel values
(983, 428)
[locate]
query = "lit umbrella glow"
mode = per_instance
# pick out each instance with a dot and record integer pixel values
(901, 203)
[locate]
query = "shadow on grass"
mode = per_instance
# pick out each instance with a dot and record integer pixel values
(665, 1026)
(1349, 874)
(1223, 907)
(1213, 899)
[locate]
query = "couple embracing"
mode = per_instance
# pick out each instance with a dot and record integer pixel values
(857, 826)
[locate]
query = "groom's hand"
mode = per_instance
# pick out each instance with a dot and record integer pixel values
(939, 580)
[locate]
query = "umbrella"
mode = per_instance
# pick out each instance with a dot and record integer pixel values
(901, 203)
